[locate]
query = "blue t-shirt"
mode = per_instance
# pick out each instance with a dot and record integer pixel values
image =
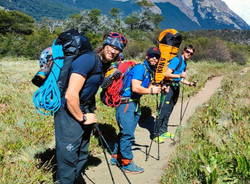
(140, 72)
(173, 65)
(90, 66)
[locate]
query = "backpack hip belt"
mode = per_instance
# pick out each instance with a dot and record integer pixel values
(127, 100)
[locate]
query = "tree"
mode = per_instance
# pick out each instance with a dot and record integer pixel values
(156, 19)
(145, 3)
(86, 21)
(15, 22)
(114, 12)
(132, 21)
(50, 24)
(144, 20)
(94, 15)
(116, 22)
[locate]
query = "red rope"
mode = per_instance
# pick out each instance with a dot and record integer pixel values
(113, 96)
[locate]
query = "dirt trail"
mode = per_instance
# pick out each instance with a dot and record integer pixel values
(154, 169)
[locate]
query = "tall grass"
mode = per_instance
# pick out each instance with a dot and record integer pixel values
(23, 133)
(216, 147)
(27, 138)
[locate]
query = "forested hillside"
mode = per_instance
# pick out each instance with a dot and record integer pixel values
(39, 9)
(179, 14)
(237, 36)
(22, 36)
(61, 9)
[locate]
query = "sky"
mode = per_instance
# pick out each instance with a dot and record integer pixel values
(241, 8)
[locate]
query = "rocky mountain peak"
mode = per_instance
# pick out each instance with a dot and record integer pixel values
(208, 12)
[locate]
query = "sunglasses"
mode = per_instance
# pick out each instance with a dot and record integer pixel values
(189, 52)
(154, 55)
(118, 35)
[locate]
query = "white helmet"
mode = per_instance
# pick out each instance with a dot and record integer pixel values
(45, 57)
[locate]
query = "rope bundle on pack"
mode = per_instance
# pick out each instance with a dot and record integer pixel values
(47, 99)
(112, 93)
(113, 83)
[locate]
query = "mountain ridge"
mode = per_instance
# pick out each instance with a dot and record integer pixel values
(181, 15)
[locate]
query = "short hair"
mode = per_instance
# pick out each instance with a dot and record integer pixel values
(189, 47)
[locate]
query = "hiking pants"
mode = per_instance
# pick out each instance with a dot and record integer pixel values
(127, 117)
(72, 141)
(167, 104)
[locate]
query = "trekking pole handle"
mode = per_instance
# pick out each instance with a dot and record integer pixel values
(193, 83)
(97, 128)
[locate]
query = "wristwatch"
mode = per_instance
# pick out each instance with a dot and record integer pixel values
(83, 119)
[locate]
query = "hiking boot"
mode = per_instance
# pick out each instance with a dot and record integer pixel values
(113, 161)
(159, 140)
(132, 168)
(167, 135)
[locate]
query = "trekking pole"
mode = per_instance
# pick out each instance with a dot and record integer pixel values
(156, 129)
(158, 142)
(182, 113)
(182, 98)
(189, 98)
(102, 140)
(181, 116)
(151, 142)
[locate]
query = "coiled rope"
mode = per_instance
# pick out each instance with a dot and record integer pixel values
(112, 94)
(47, 99)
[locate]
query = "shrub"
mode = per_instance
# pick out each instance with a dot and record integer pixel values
(238, 53)
(218, 50)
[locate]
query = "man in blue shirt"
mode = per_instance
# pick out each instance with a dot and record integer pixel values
(176, 73)
(136, 83)
(74, 118)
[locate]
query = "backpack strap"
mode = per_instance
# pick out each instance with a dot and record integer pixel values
(65, 73)
(180, 63)
(94, 71)
(144, 75)
(146, 70)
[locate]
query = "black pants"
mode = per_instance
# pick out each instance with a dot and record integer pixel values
(168, 101)
(72, 142)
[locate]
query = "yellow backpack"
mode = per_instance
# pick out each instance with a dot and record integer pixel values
(169, 43)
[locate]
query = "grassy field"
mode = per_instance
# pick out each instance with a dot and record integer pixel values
(216, 146)
(27, 138)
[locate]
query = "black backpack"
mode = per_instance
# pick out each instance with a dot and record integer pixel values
(74, 44)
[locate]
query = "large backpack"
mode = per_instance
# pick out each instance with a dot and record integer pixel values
(169, 43)
(66, 48)
(127, 81)
(113, 83)
(73, 44)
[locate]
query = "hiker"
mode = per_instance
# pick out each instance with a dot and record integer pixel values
(176, 73)
(128, 112)
(74, 120)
